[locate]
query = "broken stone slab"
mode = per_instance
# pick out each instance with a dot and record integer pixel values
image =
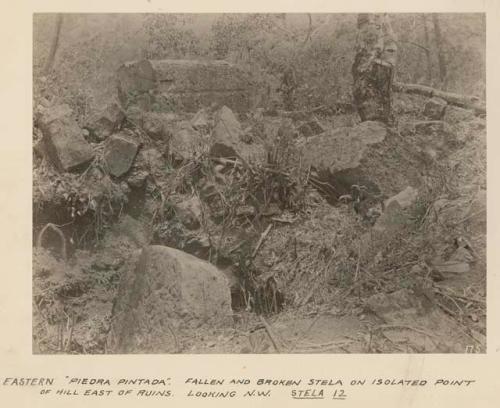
(227, 138)
(106, 122)
(167, 290)
(186, 84)
(119, 154)
(343, 148)
(63, 142)
(369, 154)
(434, 108)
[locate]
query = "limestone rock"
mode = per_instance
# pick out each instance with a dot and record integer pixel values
(63, 141)
(167, 290)
(119, 154)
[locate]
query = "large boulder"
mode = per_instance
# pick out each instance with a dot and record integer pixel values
(370, 155)
(119, 154)
(63, 142)
(185, 84)
(168, 291)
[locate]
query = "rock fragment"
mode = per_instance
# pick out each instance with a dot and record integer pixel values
(168, 289)
(119, 154)
(63, 141)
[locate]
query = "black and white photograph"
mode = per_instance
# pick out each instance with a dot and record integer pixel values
(257, 183)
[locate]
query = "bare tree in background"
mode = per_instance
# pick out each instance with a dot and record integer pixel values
(427, 49)
(55, 44)
(440, 51)
(373, 68)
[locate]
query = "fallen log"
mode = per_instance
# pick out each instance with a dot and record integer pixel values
(462, 101)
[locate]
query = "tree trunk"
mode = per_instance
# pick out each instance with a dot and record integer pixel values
(373, 68)
(440, 51)
(462, 101)
(309, 30)
(427, 50)
(55, 43)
